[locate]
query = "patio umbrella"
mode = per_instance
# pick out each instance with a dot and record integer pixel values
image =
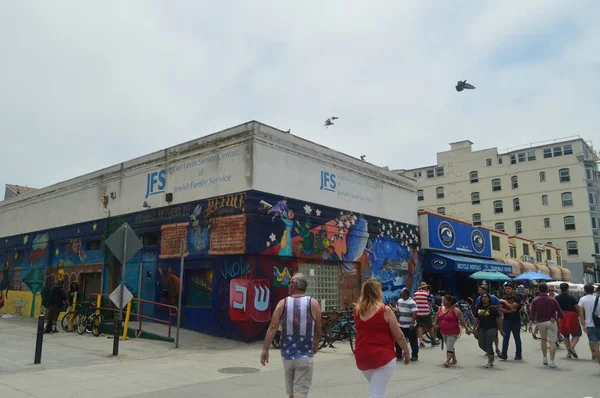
(493, 276)
(533, 276)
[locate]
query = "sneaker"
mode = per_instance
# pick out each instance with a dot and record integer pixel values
(489, 365)
(552, 364)
(498, 352)
(569, 355)
(504, 357)
(518, 358)
(414, 359)
(545, 361)
(574, 353)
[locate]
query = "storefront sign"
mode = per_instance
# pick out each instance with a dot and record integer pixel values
(446, 234)
(443, 263)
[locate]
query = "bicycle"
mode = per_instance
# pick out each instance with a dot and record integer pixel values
(340, 329)
(72, 315)
(91, 323)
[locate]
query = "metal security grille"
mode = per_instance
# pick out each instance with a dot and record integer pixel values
(323, 284)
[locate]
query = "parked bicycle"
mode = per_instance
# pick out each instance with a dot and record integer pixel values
(91, 323)
(339, 329)
(72, 316)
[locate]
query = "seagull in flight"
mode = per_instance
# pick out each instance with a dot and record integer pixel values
(463, 85)
(329, 122)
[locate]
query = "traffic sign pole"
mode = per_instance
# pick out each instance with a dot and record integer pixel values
(180, 294)
(117, 325)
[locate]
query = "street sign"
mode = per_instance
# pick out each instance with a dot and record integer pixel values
(115, 296)
(116, 242)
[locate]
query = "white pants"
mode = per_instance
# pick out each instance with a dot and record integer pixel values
(379, 379)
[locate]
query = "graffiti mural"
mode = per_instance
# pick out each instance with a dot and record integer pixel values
(281, 276)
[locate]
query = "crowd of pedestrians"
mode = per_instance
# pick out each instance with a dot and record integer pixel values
(383, 333)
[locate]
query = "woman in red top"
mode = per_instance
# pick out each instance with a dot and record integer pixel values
(376, 330)
(447, 320)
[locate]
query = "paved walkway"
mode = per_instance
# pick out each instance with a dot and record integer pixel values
(75, 366)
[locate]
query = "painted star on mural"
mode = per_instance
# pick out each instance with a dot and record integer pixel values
(272, 237)
(318, 213)
(268, 244)
(307, 209)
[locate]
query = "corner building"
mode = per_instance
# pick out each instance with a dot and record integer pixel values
(252, 204)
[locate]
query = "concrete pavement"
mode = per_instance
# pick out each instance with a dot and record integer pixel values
(74, 366)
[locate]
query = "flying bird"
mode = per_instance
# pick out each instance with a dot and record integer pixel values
(329, 122)
(460, 86)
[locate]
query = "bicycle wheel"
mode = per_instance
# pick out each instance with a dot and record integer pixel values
(82, 324)
(67, 320)
(351, 330)
(524, 321)
(97, 325)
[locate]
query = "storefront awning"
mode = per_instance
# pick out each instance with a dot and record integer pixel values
(443, 262)
(543, 269)
(516, 266)
(566, 274)
(555, 273)
(528, 267)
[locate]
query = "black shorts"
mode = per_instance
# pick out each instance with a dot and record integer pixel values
(424, 322)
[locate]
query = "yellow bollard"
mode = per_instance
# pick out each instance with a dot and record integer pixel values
(98, 304)
(126, 328)
(74, 310)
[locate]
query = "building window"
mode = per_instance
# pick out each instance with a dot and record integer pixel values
(499, 226)
(522, 157)
(518, 227)
(548, 254)
(150, 239)
(546, 223)
(513, 252)
(568, 149)
(430, 173)
(530, 155)
(415, 174)
(513, 159)
(597, 247)
(474, 177)
(499, 160)
(488, 162)
(589, 174)
(538, 257)
(439, 171)
(496, 185)
(475, 198)
(594, 225)
(557, 151)
(323, 284)
(516, 204)
(542, 176)
(545, 200)
(567, 199)
(441, 210)
(547, 153)
(572, 249)
(514, 181)
(569, 223)
(420, 196)
(498, 208)
(591, 198)
(559, 261)
(564, 175)
(439, 191)
(496, 243)
(477, 219)
(526, 249)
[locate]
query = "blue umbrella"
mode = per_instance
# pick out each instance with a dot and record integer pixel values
(533, 276)
(493, 276)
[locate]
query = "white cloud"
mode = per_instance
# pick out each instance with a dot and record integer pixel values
(89, 85)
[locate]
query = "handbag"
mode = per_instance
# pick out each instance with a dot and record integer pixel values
(596, 318)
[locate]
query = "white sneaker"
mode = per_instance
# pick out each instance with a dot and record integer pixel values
(545, 361)
(552, 364)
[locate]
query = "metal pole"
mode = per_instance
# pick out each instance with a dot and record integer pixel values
(140, 269)
(180, 294)
(39, 340)
(117, 324)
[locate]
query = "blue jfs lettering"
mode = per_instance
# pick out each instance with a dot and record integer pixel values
(328, 181)
(157, 180)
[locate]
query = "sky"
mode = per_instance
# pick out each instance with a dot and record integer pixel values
(87, 85)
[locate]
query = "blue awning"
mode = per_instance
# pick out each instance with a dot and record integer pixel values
(444, 262)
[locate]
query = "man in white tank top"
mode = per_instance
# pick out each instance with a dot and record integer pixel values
(300, 318)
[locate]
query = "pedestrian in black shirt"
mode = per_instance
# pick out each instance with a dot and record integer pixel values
(487, 324)
(569, 326)
(58, 297)
(510, 306)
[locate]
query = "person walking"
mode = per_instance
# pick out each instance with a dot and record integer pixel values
(494, 300)
(510, 306)
(376, 330)
(589, 311)
(300, 317)
(424, 314)
(569, 326)
(57, 298)
(448, 320)
(487, 324)
(545, 313)
(407, 318)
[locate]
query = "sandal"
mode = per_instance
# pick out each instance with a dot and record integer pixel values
(446, 364)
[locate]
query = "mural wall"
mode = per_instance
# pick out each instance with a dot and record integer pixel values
(240, 252)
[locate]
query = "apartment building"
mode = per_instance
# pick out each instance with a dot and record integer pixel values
(549, 192)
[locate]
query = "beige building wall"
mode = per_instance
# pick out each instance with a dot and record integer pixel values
(521, 187)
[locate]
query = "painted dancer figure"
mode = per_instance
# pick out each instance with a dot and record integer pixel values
(280, 209)
(300, 318)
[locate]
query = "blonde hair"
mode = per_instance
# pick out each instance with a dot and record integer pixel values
(369, 297)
